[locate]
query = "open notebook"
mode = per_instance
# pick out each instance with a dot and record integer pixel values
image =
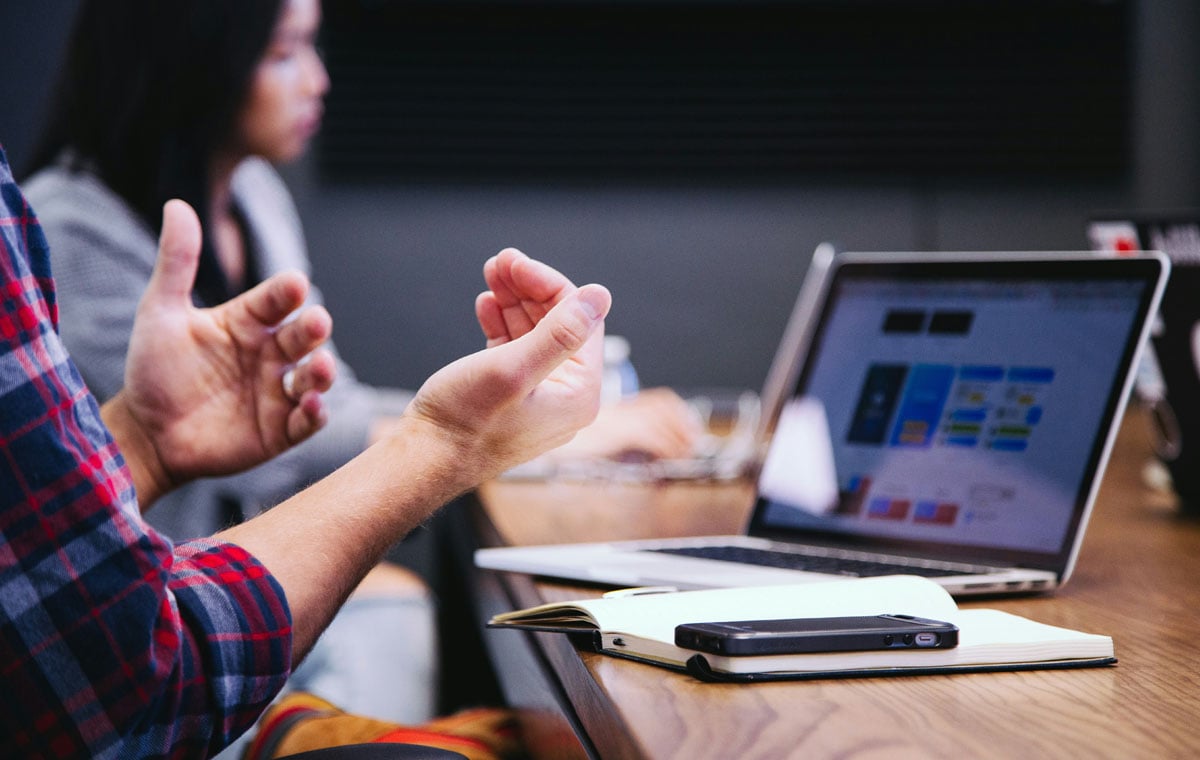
(943, 415)
(642, 627)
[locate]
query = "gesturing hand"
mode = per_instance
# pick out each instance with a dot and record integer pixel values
(538, 381)
(204, 388)
(521, 292)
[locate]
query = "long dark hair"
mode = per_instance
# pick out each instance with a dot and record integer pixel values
(149, 91)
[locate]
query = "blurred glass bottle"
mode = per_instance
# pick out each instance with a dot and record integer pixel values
(620, 378)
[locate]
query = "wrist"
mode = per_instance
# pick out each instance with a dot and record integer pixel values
(150, 476)
(446, 457)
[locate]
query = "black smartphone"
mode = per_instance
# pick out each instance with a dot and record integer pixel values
(823, 634)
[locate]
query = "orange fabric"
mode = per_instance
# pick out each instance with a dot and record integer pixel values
(301, 722)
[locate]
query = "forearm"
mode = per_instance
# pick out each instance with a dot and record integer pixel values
(321, 542)
(189, 647)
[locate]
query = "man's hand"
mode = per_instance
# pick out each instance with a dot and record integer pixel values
(520, 292)
(655, 423)
(538, 381)
(205, 388)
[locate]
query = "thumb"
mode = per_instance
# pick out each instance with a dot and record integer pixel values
(178, 254)
(564, 330)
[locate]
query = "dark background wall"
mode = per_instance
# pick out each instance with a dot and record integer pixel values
(703, 266)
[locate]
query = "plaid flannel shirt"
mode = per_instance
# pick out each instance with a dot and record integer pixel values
(113, 643)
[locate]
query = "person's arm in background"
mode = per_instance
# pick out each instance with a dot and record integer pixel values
(655, 423)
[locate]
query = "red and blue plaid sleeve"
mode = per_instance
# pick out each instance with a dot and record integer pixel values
(113, 643)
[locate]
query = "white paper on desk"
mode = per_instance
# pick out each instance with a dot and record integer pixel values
(799, 468)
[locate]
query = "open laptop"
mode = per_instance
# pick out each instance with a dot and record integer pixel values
(947, 415)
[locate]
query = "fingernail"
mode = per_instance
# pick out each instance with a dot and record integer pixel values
(595, 302)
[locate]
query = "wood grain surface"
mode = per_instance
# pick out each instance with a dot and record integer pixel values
(1137, 579)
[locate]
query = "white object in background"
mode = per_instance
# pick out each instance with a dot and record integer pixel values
(799, 469)
(620, 378)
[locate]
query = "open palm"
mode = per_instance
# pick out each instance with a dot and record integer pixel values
(206, 385)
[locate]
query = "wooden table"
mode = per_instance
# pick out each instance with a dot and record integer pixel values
(1137, 579)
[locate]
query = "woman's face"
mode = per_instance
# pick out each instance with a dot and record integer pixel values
(283, 108)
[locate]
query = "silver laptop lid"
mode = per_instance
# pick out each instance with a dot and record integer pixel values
(954, 406)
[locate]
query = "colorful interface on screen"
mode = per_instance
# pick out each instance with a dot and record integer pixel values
(951, 411)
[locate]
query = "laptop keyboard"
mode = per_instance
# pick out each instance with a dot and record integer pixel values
(836, 565)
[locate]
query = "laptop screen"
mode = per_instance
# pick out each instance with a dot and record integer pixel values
(956, 408)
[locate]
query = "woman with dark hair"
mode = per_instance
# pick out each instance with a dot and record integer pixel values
(134, 109)
(187, 99)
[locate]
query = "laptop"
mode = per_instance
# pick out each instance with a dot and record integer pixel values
(946, 415)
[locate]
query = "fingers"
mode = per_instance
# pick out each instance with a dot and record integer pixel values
(303, 385)
(491, 319)
(654, 424)
(309, 416)
(271, 301)
(178, 255)
(300, 336)
(563, 332)
(660, 439)
(315, 373)
(677, 420)
(497, 275)
(531, 280)
(517, 314)
(672, 438)
(523, 290)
